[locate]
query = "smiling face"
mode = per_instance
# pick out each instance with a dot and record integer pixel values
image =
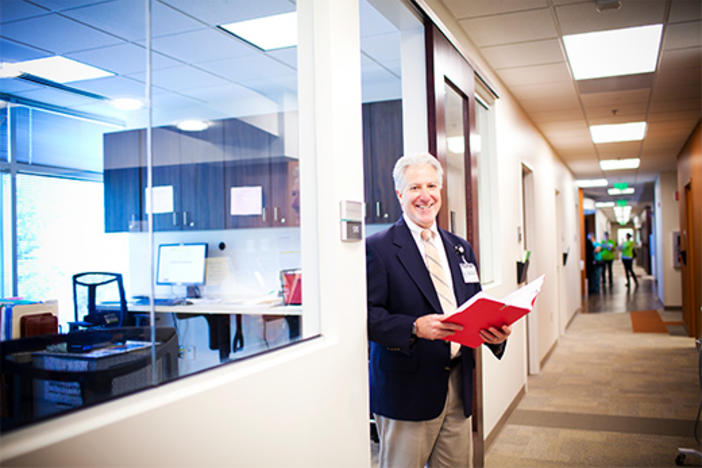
(421, 196)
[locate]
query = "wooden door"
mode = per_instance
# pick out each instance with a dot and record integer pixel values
(449, 72)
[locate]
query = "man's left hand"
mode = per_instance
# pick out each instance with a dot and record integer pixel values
(494, 335)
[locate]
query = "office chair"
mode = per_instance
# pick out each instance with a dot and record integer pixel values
(106, 315)
(683, 453)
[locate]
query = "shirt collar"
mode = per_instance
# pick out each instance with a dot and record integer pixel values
(417, 229)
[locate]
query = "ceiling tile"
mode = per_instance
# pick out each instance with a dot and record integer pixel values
(559, 91)
(123, 59)
(550, 105)
(12, 10)
(626, 149)
(55, 97)
(550, 73)
(58, 34)
(59, 5)
(670, 92)
(524, 54)
(513, 27)
(685, 10)
(372, 22)
(14, 85)
(216, 12)
(382, 47)
(634, 112)
(683, 35)
(633, 96)
(681, 58)
(181, 78)
(287, 55)
(616, 83)
(112, 87)
(556, 116)
(463, 9)
(681, 116)
(584, 17)
(247, 68)
(125, 19)
(11, 51)
(204, 45)
(673, 106)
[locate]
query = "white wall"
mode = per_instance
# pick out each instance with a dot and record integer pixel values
(518, 141)
(667, 220)
(302, 406)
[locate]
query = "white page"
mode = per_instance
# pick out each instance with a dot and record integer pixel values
(246, 200)
(524, 296)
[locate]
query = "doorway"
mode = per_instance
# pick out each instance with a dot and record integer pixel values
(528, 236)
(690, 311)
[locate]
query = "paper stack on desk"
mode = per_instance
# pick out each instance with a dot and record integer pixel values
(482, 311)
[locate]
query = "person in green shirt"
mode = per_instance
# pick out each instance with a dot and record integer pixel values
(607, 246)
(627, 249)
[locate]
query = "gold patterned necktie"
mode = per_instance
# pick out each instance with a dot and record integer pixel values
(440, 280)
(437, 273)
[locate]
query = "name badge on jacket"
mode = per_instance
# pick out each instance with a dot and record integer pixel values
(469, 272)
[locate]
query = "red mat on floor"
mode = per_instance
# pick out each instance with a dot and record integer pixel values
(647, 321)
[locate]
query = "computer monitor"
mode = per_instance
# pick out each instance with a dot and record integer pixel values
(181, 264)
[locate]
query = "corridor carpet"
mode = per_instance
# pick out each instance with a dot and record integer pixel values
(647, 321)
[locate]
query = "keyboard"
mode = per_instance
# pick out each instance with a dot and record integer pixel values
(162, 301)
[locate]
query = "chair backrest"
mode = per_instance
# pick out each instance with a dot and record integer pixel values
(91, 281)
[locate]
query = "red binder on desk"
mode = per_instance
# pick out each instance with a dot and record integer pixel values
(482, 311)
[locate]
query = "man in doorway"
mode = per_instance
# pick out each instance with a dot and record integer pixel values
(628, 254)
(421, 386)
(607, 246)
(592, 267)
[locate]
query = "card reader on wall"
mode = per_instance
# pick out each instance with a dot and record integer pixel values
(351, 220)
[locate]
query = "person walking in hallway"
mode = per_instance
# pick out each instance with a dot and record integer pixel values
(628, 254)
(592, 267)
(607, 246)
(421, 386)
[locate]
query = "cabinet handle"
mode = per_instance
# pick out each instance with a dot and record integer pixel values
(185, 220)
(175, 218)
(263, 214)
(377, 209)
(275, 213)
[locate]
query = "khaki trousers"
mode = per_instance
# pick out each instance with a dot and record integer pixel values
(442, 442)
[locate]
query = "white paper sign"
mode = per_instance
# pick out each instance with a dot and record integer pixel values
(163, 199)
(246, 200)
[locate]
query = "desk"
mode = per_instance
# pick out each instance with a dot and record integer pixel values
(218, 319)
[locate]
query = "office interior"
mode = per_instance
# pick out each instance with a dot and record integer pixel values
(263, 153)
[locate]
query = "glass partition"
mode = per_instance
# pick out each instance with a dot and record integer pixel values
(150, 196)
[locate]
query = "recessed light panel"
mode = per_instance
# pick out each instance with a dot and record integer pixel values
(617, 164)
(192, 125)
(613, 53)
(604, 204)
(267, 33)
(60, 69)
(631, 131)
(616, 191)
(586, 183)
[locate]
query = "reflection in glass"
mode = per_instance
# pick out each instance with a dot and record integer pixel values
(455, 161)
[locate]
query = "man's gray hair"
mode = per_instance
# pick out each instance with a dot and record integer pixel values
(419, 159)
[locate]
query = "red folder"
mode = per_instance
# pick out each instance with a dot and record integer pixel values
(482, 311)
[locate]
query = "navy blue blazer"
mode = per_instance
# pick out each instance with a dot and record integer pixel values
(408, 376)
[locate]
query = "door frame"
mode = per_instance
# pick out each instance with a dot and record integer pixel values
(444, 63)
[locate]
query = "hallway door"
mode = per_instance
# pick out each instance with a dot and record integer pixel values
(529, 234)
(451, 122)
(690, 310)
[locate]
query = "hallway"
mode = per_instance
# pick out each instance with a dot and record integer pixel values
(607, 396)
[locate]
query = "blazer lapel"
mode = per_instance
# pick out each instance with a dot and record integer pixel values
(412, 261)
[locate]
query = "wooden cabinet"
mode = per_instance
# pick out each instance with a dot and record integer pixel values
(124, 161)
(382, 146)
(196, 172)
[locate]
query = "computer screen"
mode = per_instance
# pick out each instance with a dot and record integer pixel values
(181, 264)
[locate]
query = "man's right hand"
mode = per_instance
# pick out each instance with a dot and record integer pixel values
(431, 327)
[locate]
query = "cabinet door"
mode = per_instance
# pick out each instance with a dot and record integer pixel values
(285, 196)
(368, 164)
(166, 179)
(124, 154)
(247, 151)
(202, 179)
(386, 148)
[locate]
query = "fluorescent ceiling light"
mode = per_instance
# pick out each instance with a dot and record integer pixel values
(613, 53)
(616, 164)
(616, 191)
(631, 131)
(127, 104)
(604, 204)
(586, 183)
(9, 70)
(61, 69)
(192, 125)
(267, 33)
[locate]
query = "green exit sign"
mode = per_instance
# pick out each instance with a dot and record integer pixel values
(621, 185)
(621, 202)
